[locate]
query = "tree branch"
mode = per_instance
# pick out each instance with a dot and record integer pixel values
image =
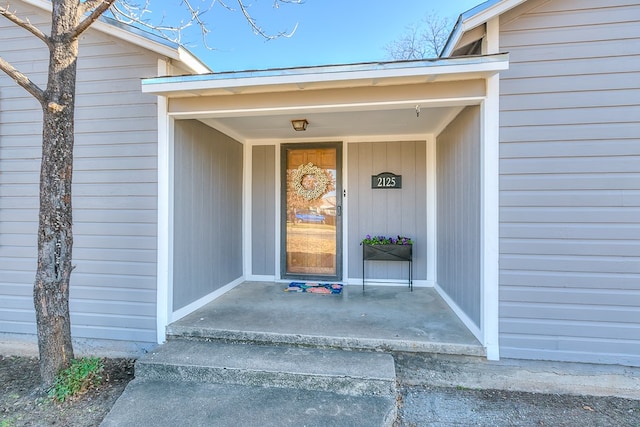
(422, 40)
(4, 11)
(257, 29)
(99, 7)
(276, 3)
(22, 80)
(196, 14)
(132, 14)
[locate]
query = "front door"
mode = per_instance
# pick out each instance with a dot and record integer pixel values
(311, 211)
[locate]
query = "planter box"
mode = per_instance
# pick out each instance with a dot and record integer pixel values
(387, 252)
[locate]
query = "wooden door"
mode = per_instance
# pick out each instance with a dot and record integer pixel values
(311, 220)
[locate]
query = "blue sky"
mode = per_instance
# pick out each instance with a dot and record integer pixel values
(328, 32)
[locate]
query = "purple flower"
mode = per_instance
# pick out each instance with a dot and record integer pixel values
(383, 240)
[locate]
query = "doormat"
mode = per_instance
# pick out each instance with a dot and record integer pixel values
(315, 288)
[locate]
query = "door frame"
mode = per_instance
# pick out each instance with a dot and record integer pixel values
(339, 209)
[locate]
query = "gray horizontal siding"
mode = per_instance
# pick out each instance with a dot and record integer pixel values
(570, 182)
(611, 351)
(113, 287)
(575, 314)
(599, 198)
(612, 180)
(563, 247)
(572, 132)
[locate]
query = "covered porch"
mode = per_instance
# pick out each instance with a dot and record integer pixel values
(226, 151)
(381, 318)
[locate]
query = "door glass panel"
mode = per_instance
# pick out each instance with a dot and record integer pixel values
(311, 212)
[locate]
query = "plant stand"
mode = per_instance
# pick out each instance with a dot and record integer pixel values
(388, 253)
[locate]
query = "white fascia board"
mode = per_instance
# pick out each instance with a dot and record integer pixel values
(454, 38)
(170, 50)
(140, 38)
(334, 74)
(42, 4)
(152, 43)
(192, 61)
(475, 17)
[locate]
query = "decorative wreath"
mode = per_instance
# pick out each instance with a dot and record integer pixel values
(319, 177)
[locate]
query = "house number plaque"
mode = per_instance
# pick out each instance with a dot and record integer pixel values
(386, 180)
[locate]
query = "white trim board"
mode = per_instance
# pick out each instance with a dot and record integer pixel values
(164, 251)
(188, 309)
(473, 328)
(491, 206)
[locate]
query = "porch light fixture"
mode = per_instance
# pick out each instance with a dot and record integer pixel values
(299, 124)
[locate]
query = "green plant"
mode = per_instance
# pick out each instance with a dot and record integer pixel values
(80, 376)
(7, 422)
(383, 240)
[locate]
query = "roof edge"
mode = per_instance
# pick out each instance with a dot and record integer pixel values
(139, 37)
(474, 17)
(326, 73)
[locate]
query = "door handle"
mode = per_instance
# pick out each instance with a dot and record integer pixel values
(339, 210)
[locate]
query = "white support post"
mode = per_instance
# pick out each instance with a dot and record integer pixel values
(277, 222)
(164, 269)
(247, 264)
(490, 203)
(432, 238)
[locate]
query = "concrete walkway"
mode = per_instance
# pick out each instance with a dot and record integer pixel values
(199, 383)
(276, 358)
(435, 390)
(258, 356)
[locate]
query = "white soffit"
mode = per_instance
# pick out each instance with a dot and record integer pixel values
(325, 77)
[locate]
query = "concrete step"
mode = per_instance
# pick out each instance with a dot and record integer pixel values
(367, 343)
(342, 372)
(159, 403)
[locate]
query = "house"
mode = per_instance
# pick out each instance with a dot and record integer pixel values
(518, 152)
(115, 181)
(568, 175)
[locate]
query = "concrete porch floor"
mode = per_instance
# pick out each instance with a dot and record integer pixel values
(382, 318)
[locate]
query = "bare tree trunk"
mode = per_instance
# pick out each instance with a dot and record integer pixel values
(55, 240)
(70, 18)
(55, 237)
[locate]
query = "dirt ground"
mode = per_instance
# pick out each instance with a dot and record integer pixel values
(24, 403)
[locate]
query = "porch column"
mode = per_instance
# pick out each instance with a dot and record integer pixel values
(490, 203)
(164, 268)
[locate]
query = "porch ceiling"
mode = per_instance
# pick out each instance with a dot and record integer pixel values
(356, 100)
(329, 125)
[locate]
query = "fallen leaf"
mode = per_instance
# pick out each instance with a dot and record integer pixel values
(588, 408)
